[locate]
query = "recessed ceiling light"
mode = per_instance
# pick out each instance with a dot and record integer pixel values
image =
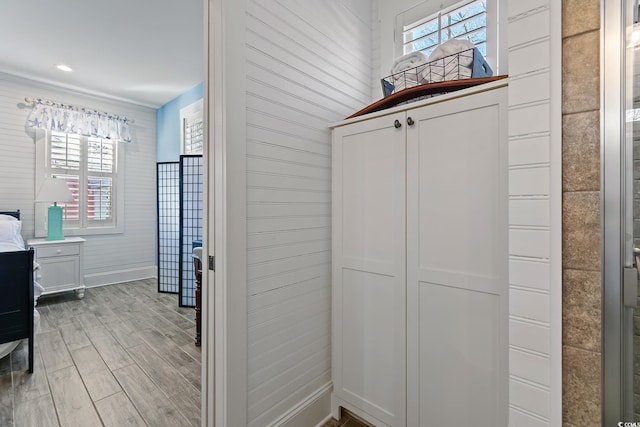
(63, 67)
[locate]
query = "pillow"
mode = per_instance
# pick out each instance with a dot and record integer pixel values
(10, 233)
(4, 217)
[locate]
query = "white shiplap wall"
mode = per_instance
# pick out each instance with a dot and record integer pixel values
(377, 71)
(308, 64)
(108, 258)
(535, 197)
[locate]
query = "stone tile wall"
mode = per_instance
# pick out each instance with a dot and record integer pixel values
(581, 288)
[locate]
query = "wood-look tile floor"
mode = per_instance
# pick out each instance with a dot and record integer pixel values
(347, 420)
(122, 356)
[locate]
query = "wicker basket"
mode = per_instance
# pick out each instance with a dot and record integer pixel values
(462, 65)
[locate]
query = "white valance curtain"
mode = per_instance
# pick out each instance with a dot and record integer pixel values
(54, 116)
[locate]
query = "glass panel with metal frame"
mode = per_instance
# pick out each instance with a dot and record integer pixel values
(631, 194)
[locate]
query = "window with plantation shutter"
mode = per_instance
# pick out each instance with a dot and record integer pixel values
(93, 173)
(192, 129)
(193, 136)
(100, 179)
(466, 20)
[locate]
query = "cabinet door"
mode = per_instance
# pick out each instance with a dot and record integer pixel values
(59, 273)
(369, 268)
(457, 285)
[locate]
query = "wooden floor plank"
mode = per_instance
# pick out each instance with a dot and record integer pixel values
(92, 325)
(174, 354)
(98, 308)
(44, 325)
(123, 304)
(28, 386)
(20, 355)
(6, 400)
(56, 317)
(185, 396)
(37, 412)
(192, 350)
(74, 336)
(118, 411)
(72, 402)
(126, 335)
(142, 320)
(191, 372)
(112, 353)
(154, 405)
(97, 378)
(174, 318)
(74, 306)
(54, 351)
(177, 335)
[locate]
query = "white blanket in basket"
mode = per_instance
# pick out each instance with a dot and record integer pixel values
(452, 60)
(408, 61)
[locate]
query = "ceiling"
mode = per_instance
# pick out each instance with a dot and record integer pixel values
(142, 51)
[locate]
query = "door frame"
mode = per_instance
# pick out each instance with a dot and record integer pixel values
(614, 362)
(224, 294)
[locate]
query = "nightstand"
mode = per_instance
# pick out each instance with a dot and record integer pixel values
(60, 265)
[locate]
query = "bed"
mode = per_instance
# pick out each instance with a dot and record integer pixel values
(17, 305)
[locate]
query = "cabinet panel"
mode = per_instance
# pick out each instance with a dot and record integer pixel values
(368, 268)
(368, 338)
(458, 368)
(59, 273)
(368, 187)
(458, 190)
(457, 284)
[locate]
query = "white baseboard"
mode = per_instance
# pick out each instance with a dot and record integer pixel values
(315, 410)
(324, 420)
(119, 276)
(338, 403)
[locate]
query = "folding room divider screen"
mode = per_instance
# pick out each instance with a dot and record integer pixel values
(168, 221)
(180, 188)
(190, 224)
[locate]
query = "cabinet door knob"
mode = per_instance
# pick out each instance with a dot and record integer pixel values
(410, 121)
(397, 124)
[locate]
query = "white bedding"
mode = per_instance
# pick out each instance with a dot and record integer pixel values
(11, 241)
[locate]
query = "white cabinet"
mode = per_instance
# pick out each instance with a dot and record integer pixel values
(420, 286)
(60, 264)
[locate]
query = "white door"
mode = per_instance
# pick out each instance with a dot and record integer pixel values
(368, 365)
(457, 285)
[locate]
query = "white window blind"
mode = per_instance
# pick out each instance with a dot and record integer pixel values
(464, 21)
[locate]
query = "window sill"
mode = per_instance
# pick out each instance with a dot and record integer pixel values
(87, 231)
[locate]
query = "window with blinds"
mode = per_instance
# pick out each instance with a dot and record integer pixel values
(466, 20)
(88, 165)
